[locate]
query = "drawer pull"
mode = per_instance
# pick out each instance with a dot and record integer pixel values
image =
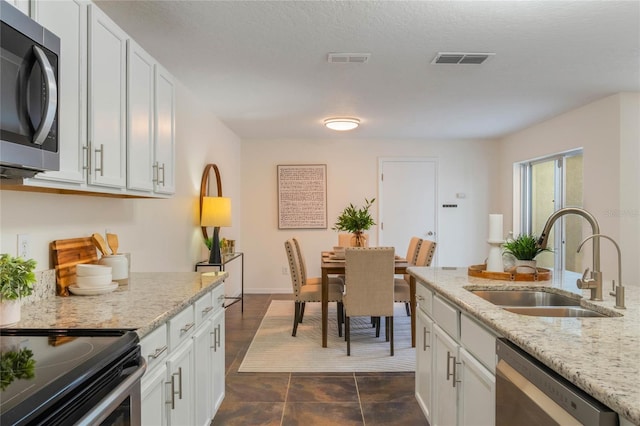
(158, 352)
(425, 346)
(206, 310)
(187, 327)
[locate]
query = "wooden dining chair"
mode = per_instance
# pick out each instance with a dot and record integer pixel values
(369, 287)
(402, 288)
(411, 257)
(309, 289)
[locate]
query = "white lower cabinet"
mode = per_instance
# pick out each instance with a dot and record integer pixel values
(455, 366)
(424, 363)
(184, 382)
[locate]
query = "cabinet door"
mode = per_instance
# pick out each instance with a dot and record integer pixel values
(154, 405)
(164, 132)
(68, 20)
(477, 395)
(445, 391)
(218, 364)
(180, 398)
(424, 360)
(202, 342)
(107, 101)
(140, 98)
(21, 5)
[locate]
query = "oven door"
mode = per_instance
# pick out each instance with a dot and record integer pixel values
(529, 393)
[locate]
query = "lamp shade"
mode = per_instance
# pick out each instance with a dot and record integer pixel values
(216, 211)
(341, 124)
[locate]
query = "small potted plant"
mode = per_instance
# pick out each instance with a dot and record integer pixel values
(16, 281)
(356, 221)
(524, 249)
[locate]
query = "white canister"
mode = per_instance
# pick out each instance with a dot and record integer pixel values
(119, 267)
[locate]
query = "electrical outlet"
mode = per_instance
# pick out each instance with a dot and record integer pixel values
(285, 270)
(24, 247)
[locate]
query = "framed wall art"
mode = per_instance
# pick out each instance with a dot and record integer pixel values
(302, 196)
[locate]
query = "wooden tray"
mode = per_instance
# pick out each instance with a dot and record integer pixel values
(66, 254)
(480, 271)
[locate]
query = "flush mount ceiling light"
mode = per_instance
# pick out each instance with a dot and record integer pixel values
(341, 124)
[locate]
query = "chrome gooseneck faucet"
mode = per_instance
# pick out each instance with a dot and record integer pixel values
(618, 290)
(594, 283)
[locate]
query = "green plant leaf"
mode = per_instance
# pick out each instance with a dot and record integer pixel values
(354, 219)
(16, 277)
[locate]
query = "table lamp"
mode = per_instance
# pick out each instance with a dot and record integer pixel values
(216, 212)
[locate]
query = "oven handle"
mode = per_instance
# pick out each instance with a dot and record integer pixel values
(105, 407)
(533, 393)
(51, 97)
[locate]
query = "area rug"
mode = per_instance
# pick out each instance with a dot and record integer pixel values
(273, 349)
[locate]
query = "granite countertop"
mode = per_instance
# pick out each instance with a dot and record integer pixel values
(599, 355)
(149, 300)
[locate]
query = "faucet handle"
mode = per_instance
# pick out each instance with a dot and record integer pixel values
(584, 276)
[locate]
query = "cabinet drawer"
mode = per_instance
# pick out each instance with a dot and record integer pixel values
(218, 297)
(154, 346)
(204, 308)
(180, 327)
(479, 341)
(424, 297)
(447, 317)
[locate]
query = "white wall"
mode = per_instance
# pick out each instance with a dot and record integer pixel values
(608, 131)
(352, 170)
(161, 234)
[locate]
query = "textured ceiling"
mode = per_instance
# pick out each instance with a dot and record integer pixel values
(262, 65)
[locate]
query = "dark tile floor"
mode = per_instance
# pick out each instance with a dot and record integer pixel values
(307, 399)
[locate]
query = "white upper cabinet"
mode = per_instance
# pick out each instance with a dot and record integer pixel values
(68, 20)
(22, 5)
(107, 101)
(164, 132)
(140, 112)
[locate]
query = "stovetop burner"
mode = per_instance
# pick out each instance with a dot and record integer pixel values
(42, 365)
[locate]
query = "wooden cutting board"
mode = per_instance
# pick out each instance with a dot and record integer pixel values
(66, 254)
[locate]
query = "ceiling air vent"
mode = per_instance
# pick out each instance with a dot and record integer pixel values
(348, 58)
(461, 58)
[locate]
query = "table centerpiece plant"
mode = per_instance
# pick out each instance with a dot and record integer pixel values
(356, 221)
(16, 281)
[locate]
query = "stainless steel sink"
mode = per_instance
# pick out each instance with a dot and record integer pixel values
(538, 303)
(555, 311)
(525, 298)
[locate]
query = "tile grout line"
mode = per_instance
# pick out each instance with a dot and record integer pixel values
(359, 399)
(286, 398)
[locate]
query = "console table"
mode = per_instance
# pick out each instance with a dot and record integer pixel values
(226, 258)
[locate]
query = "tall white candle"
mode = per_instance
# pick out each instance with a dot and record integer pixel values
(495, 227)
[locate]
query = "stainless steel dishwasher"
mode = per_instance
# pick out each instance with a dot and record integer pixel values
(529, 393)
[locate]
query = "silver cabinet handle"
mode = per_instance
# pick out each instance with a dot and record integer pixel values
(179, 382)
(101, 151)
(449, 358)
(455, 369)
(418, 297)
(425, 346)
(187, 327)
(218, 334)
(162, 168)
(221, 300)
(158, 352)
(87, 151)
(215, 339)
(51, 97)
(206, 310)
(155, 172)
(173, 388)
(430, 233)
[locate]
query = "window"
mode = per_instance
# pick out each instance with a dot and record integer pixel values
(549, 184)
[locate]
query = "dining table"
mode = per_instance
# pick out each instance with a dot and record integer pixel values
(330, 264)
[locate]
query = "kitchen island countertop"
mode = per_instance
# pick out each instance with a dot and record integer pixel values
(599, 355)
(149, 300)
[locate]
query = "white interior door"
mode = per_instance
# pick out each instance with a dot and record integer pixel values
(407, 200)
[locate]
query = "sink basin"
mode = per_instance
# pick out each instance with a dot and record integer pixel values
(555, 311)
(538, 303)
(525, 298)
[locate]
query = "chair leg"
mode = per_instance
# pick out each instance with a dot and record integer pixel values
(296, 313)
(407, 307)
(377, 323)
(347, 334)
(386, 328)
(340, 318)
(302, 305)
(390, 321)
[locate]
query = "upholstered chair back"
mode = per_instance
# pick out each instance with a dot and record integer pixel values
(369, 281)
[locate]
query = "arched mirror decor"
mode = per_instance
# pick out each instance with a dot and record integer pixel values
(215, 211)
(204, 190)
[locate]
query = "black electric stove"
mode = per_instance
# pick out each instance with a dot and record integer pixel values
(61, 376)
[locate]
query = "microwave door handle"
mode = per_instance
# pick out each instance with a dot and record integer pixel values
(51, 97)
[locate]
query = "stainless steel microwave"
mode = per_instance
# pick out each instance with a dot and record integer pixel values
(29, 57)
